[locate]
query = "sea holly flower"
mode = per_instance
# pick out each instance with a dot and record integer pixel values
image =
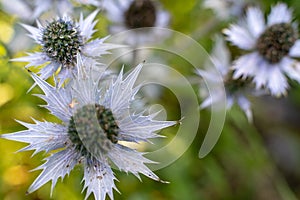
(135, 15)
(237, 90)
(94, 124)
(272, 47)
(62, 40)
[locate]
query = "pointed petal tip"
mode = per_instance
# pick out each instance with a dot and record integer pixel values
(165, 182)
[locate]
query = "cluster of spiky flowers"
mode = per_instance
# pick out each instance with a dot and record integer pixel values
(94, 109)
(61, 41)
(94, 123)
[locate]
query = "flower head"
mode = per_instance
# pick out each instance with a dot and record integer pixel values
(271, 45)
(237, 90)
(62, 40)
(136, 14)
(93, 125)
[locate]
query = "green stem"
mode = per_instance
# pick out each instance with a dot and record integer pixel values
(256, 146)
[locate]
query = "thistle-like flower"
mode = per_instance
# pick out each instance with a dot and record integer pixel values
(271, 47)
(137, 14)
(62, 40)
(93, 125)
(237, 90)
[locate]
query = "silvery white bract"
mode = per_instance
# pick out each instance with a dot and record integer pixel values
(29, 10)
(271, 45)
(61, 41)
(226, 9)
(94, 124)
(137, 16)
(236, 90)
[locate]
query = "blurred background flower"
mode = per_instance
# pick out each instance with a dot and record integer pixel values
(271, 45)
(137, 14)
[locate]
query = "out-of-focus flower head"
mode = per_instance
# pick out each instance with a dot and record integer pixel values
(94, 124)
(137, 14)
(237, 90)
(272, 46)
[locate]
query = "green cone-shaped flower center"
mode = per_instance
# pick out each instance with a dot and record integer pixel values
(61, 41)
(141, 13)
(276, 42)
(93, 129)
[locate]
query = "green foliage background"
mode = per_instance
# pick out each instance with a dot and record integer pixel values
(259, 161)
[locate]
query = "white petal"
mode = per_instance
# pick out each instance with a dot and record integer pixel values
(208, 75)
(48, 70)
(142, 127)
(115, 11)
(58, 99)
(84, 86)
(246, 65)
(291, 68)
(240, 37)
(207, 102)
(279, 14)
(295, 50)
(87, 25)
(64, 74)
(57, 166)
(40, 7)
(162, 19)
(255, 21)
(214, 97)
(262, 74)
(19, 7)
(221, 56)
(34, 59)
(34, 32)
(97, 47)
(121, 92)
(277, 83)
(41, 136)
(229, 101)
(129, 160)
(245, 105)
(98, 179)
